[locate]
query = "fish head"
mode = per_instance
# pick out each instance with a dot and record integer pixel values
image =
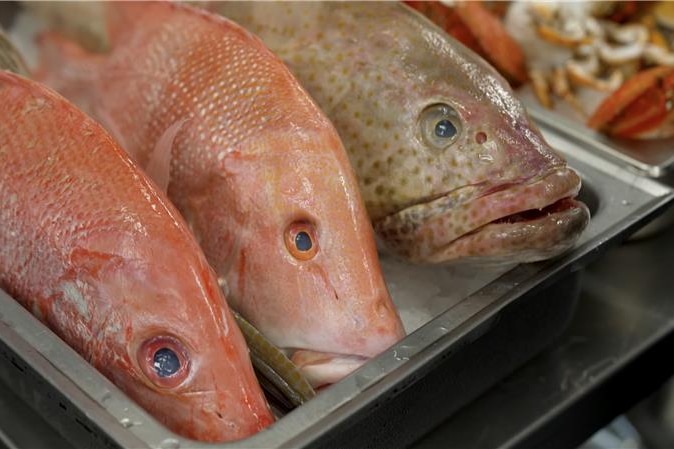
(303, 261)
(449, 164)
(174, 345)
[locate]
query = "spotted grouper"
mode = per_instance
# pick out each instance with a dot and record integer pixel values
(256, 168)
(92, 248)
(448, 163)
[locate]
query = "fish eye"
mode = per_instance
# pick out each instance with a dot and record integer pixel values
(440, 125)
(300, 240)
(165, 361)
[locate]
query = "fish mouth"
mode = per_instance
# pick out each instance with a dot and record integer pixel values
(506, 223)
(325, 368)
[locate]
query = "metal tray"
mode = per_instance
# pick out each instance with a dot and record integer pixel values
(653, 158)
(467, 332)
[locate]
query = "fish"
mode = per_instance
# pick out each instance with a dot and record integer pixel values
(450, 166)
(92, 248)
(254, 166)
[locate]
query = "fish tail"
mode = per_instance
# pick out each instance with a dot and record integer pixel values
(65, 66)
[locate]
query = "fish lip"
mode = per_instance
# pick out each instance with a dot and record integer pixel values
(573, 218)
(314, 364)
(483, 189)
(404, 230)
(560, 194)
(317, 357)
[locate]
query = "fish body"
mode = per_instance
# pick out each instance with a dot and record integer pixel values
(254, 166)
(446, 157)
(95, 251)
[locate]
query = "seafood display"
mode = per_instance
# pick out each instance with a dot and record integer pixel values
(448, 163)
(592, 54)
(91, 247)
(252, 155)
(255, 167)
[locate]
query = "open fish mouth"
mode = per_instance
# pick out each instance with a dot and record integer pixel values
(324, 368)
(508, 223)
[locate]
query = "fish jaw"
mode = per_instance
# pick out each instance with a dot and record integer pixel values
(524, 222)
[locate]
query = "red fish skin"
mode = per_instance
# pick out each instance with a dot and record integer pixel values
(94, 250)
(254, 155)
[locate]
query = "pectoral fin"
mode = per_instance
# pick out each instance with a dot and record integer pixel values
(159, 165)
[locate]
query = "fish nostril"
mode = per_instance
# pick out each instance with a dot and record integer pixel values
(219, 414)
(480, 137)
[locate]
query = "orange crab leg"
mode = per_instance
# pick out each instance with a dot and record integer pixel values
(480, 30)
(642, 115)
(612, 113)
(447, 19)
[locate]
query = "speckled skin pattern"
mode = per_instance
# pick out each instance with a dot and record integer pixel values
(254, 155)
(99, 255)
(374, 68)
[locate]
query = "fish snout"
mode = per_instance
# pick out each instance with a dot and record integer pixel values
(381, 329)
(217, 418)
(387, 328)
(509, 152)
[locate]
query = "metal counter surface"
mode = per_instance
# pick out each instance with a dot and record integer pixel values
(617, 350)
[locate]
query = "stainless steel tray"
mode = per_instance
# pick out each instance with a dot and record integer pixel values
(654, 158)
(467, 331)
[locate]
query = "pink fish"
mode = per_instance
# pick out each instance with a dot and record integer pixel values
(96, 252)
(255, 167)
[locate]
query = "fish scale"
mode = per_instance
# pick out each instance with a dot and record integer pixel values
(90, 247)
(252, 160)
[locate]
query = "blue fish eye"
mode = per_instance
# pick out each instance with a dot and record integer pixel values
(165, 362)
(440, 126)
(303, 241)
(445, 129)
